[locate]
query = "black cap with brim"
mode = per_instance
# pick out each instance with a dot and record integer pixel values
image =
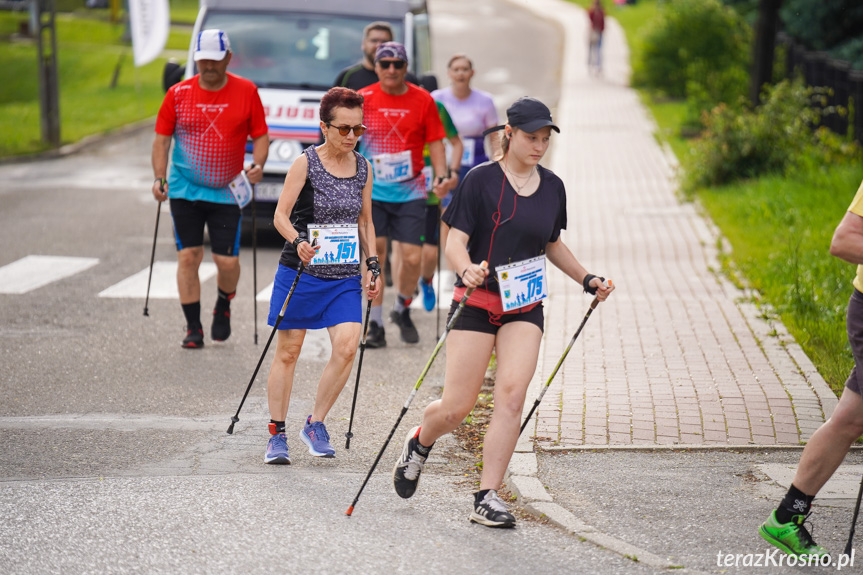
(530, 115)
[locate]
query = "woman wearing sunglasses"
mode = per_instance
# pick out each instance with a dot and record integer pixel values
(509, 213)
(324, 214)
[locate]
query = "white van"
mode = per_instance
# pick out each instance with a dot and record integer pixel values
(294, 50)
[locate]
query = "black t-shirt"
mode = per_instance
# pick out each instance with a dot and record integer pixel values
(357, 77)
(527, 223)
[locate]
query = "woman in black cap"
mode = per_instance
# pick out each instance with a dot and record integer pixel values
(510, 214)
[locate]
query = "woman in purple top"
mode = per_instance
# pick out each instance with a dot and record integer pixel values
(472, 111)
(326, 197)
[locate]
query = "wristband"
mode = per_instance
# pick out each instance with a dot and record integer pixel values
(373, 265)
(439, 180)
(162, 182)
(298, 241)
(586, 283)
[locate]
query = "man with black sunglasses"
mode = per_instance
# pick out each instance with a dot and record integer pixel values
(401, 119)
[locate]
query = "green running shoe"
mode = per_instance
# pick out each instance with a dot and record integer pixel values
(791, 537)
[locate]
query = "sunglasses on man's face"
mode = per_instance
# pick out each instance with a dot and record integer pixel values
(359, 130)
(398, 64)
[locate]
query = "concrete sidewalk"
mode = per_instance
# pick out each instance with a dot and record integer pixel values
(678, 365)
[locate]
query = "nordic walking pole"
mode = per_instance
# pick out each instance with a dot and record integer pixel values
(419, 382)
(592, 307)
(854, 520)
(437, 300)
(350, 434)
(153, 253)
(236, 416)
(254, 260)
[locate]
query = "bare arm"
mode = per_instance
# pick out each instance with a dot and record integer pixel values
(294, 182)
(472, 275)
(455, 165)
(260, 150)
(437, 153)
(159, 159)
(847, 241)
(366, 229)
(560, 255)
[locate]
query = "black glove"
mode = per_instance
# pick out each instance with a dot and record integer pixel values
(586, 283)
(374, 266)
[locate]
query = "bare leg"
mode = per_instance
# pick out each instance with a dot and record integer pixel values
(229, 272)
(188, 284)
(468, 353)
(344, 338)
(828, 446)
(517, 351)
(409, 268)
(281, 379)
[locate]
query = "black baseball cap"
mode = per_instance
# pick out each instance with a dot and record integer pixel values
(529, 114)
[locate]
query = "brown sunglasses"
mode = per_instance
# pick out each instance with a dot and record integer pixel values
(343, 130)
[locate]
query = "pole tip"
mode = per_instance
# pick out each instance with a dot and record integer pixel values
(349, 511)
(145, 312)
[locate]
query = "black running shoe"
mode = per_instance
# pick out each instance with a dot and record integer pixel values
(491, 511)
(194, 339)
(376, 337)
(403, 320)
(221, 329)
(409, 466)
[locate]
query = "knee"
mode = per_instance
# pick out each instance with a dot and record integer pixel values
(509, 403)
(288, 355)
(454, 415)
(190, 257)
(345, 351)
(848, 424)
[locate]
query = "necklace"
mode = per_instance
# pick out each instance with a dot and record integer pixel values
(517, 187)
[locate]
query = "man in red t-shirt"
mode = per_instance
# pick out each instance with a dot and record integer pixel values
(401, 119)
(210, 117)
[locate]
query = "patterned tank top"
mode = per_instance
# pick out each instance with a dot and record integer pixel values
(326, 199)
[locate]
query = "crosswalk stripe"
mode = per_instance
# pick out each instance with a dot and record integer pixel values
(163, 285)
(32, 272)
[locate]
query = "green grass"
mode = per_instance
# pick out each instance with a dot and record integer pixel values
(779, 228)
(89, 49)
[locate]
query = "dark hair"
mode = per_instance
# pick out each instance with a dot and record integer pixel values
(338, 97)
(459, 57)
(379, 25)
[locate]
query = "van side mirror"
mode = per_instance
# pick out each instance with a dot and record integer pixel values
(172, 74)
(429, 82)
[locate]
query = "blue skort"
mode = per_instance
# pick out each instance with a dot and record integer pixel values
(316, 303)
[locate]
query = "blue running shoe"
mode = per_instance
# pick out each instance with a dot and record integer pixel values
(429, 298)
(277, 450)
(316, 437)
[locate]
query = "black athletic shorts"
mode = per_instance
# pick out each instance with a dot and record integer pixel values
(854, 325)
(432, 229)
(400, 221)
(478, 319)
(223, 225)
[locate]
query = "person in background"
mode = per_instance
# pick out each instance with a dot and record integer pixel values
(209, 117)
(362, 73)
(596, 15)
(401, 118)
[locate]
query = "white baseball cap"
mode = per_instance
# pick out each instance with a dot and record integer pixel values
(212, 45)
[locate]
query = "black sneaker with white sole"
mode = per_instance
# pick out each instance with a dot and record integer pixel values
(409, 466)
(402, 319)
(491, 510)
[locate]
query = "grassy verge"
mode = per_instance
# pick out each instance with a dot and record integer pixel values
(90, 51)
(779, 228)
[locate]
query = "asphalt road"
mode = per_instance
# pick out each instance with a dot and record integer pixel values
(114, 453)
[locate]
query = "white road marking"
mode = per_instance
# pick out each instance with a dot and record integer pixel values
(163, 285)
(32, 272)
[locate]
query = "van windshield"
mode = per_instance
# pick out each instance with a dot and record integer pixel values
(292, 50)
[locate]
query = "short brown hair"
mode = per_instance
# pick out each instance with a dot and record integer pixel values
(379, 25)
(459, 57)
(338, 97)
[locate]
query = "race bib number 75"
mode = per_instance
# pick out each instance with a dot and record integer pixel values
(522, 283)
